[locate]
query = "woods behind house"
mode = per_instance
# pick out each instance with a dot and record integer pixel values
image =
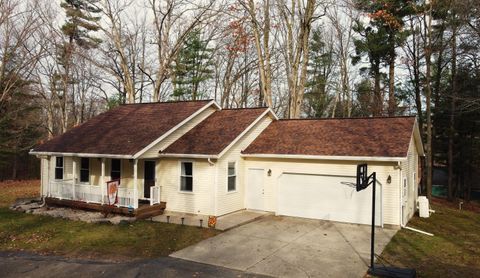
(63, 62)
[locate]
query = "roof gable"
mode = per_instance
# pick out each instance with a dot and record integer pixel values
(359, 137)
(214, 134)
(124, 130)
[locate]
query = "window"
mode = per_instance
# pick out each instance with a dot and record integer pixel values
(59, 168)
(232, 177)
(85, 169)
(186, 177)
(405, 189)
(115, 172)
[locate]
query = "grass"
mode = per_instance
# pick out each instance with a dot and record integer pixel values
(48, 235)
(453, 251)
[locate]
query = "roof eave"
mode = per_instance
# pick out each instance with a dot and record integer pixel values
(186, 155)
(327, 157)
(93, 155)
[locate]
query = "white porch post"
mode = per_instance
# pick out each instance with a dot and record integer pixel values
(102, 180)
(74, 171)
(48, 194)
(135, 184)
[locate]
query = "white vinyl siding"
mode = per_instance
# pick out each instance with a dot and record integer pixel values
(232, 201)
(278, 167)
(201, 201)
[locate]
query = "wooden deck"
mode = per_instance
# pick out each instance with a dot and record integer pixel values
(142, 212)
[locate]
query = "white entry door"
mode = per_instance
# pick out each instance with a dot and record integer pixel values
(254, 190)
(327, 197)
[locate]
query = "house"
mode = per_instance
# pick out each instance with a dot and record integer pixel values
(195, 157)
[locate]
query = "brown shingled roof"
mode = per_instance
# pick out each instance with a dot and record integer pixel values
(373, 137)
(216, 132)
(124, 130)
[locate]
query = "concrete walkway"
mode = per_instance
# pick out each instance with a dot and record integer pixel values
(224, 222)
(291, 247)
(238, 218)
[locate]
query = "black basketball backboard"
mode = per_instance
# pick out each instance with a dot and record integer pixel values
(362, 177)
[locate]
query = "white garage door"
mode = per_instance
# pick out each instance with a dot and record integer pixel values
(326, 197)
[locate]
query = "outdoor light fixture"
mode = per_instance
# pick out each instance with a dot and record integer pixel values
(269, 173)
(389, 179)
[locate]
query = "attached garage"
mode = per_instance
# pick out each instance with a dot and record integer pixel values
(326, 197)
(306, 168)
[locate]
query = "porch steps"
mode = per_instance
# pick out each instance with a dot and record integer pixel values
(143, 212)
(148, 211)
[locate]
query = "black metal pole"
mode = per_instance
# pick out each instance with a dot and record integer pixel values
(372, 243)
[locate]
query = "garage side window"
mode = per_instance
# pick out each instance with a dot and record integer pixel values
(85, 169)
(186, 177)
(59, 168)
(232, 177)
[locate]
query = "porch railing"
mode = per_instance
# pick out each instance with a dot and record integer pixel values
(154, 195)
(125, 197)
(89, 193)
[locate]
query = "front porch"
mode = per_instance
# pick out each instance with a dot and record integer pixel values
(81, 182)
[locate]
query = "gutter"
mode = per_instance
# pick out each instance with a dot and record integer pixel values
(176, 155)
(326, 157)
(94, 155)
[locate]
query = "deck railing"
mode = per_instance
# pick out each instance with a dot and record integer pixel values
(89, 193)
(154, 195)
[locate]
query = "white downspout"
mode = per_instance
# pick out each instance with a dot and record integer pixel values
(401, 193)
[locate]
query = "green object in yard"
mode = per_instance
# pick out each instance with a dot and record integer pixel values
(439, 191)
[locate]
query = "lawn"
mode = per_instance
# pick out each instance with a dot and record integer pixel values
(453, 251)
(48, 235)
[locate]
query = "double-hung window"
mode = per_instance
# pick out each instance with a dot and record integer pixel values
(115, 171)
(232, 177)
(186, 177)
(59, 168)
(84, 169)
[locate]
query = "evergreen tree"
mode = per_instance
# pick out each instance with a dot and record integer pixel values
(381, 37)
(81, 21)
(320, 67)
(192, 67)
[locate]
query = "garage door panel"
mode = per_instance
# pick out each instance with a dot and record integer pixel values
(324, 197)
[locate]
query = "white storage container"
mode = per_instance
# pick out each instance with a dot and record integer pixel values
(424, 208)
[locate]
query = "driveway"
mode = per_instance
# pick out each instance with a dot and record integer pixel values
(291, 247)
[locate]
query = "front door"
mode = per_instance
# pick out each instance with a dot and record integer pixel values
(148, 178)
(254, 189)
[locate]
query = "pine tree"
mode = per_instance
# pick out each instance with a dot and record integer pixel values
(192, 67)
(382, 36)
(81, 21)
(320, 67)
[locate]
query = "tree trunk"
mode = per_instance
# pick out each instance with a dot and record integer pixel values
(428, 93)
(451, 131)
(392, 103)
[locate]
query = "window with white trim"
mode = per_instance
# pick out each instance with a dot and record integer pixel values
(232, 176)
(59, 168)
(186, 177)
(115, 170)
(84, 169)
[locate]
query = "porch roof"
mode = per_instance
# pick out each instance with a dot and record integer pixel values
(125, 130)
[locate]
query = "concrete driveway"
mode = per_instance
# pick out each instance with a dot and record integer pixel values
(291, 247)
